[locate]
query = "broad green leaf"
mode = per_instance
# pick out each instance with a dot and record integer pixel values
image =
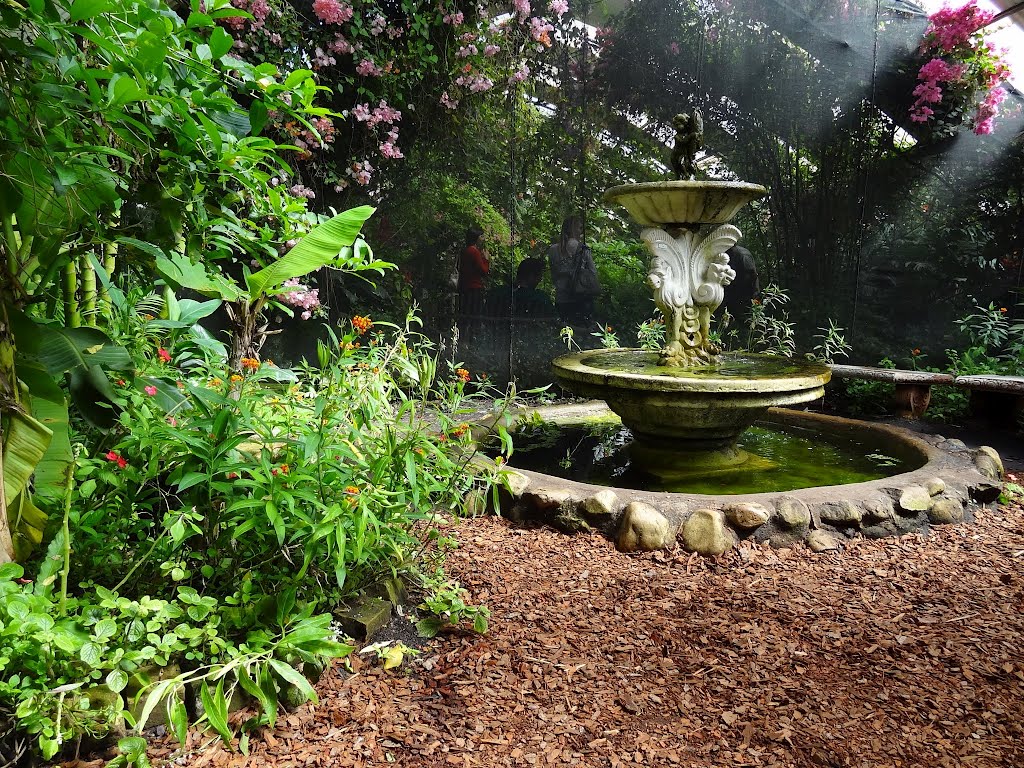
(27, 524)
(61, 349)
(181, 272)
(50, 408)
(198, 20)
(257, 117)
(220, 42)
(216, 707)
(151, 51)
(24, 443)
(9, 571)
(168, 397)
(86, 9)
(122, 89)
(162, 689)
(296, 678)
(116, 680)
(93, 396)
(317, 249)
(90, 654)
(178, 717)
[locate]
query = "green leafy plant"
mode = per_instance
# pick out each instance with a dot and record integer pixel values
(606, 335)
(832, 344)
(650, 334)
(445, 600)
(770, 330)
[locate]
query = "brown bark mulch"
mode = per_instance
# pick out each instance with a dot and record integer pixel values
(898, 652)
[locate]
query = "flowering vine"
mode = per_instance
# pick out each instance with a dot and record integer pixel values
(959, 66)
(378, 58)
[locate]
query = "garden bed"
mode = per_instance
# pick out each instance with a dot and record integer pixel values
(890, 652)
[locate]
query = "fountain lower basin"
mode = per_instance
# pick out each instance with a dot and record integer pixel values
(704, 408)
(936, 482)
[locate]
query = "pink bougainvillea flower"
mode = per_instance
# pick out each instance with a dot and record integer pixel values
(150, 390)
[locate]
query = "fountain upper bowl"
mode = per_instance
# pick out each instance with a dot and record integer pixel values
(708, 406)
(666, 203)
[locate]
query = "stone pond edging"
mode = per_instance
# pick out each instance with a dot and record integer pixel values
(948, 488)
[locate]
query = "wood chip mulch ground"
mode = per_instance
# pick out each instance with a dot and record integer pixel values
(899, 652)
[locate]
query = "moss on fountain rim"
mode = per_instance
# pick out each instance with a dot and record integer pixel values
(637, 369)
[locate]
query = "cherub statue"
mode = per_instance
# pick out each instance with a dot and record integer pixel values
(689, 141)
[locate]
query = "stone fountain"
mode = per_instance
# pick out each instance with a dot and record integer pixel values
(687, 405)
(690, 397)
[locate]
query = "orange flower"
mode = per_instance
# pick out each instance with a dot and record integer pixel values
(462, 374)
(915, 351)
(361, 324)
(235, 378)
(1003, 310)
(460, 430)
(351, 490)
(215, 382)
(250, 363)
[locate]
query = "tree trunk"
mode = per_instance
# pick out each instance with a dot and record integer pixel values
(8, 399)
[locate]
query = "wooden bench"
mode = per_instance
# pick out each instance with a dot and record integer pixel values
(913, 388)
(997, 398)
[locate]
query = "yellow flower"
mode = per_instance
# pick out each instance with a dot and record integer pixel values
(462, 374)
(361, 324)
(250, 363)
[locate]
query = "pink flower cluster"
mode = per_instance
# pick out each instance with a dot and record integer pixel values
(952, 27)
(301, 296)
(521, 7)
(448, 102)
(361, 172)
(558, 7)
(382, 113)
(539, 29)
(332, 11)
(960, 57)
(453, 18)
(340, 45)
(300, 190)
(259, 9)
(367, 68)
(467, 50)
(377, 24)
(520, 74)
(984, 118)
(928, 92)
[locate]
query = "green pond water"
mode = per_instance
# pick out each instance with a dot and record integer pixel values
(730, 366)
(782, 459)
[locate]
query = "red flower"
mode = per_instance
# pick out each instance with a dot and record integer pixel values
(151, 390)
(113, 456)
(163, 354)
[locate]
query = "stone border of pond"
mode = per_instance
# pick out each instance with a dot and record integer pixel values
(951, 484)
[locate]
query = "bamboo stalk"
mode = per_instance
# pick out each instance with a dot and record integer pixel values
(87, 276)
(72, 317)
(109, 265)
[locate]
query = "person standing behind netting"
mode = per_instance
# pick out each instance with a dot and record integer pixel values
(473, 268)
(574, 273)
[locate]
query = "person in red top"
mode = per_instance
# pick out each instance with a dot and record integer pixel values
(473, 268)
